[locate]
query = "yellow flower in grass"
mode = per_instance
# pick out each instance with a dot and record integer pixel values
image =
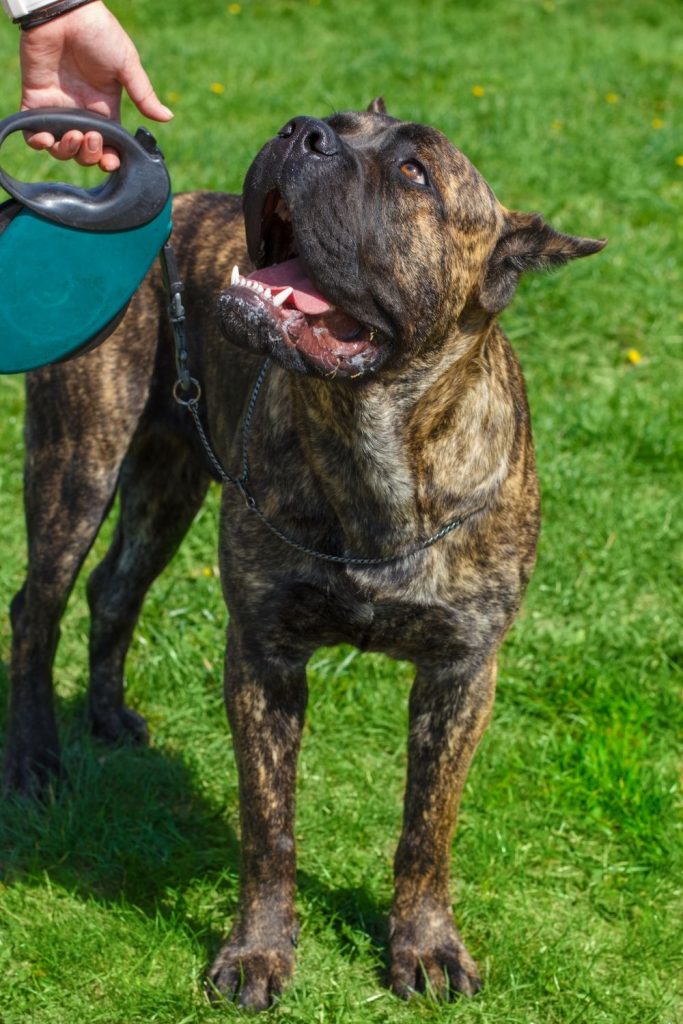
(234, 8)
(478, 90)
(218, 88)
(634, 356)
(172, 96)
(612, 97)
(657, 122)
(679, 161)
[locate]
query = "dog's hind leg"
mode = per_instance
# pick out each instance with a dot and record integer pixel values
(449, 711)
(76, 436)
(163, 484)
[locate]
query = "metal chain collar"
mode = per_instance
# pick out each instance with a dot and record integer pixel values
(187, 392)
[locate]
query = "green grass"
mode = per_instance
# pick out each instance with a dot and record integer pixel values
(568, 862)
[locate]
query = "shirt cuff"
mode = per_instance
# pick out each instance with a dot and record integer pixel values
(20, 8)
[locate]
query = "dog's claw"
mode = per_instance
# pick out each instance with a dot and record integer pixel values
(439, 972)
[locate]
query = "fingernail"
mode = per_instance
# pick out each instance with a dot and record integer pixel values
(93, 143)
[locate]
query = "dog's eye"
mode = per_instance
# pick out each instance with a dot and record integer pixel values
(414, 171)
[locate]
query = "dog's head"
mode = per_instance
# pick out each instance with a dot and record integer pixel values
(375, 240)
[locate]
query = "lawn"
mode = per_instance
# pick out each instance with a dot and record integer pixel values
(568, 861)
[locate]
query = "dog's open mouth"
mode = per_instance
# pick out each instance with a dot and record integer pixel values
(282, 292)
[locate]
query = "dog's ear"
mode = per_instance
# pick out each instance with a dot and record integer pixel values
(378, 106)
(528, 243)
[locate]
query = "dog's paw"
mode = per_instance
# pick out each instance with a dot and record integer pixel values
(31, 769)
(428, 956)
(120, 726)
(251, 976)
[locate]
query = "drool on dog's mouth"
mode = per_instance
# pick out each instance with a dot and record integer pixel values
(282, 296)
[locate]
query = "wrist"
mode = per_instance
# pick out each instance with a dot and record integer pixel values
(30, 14)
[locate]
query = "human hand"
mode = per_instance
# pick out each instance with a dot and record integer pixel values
(83, 59)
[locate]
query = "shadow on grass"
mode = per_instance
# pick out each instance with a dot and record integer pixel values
(358, 921)
(122, 821)
(132, 824)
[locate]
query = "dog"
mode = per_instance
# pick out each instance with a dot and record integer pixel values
(368, 418)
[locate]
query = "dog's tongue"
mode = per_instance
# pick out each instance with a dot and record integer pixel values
(292, 274)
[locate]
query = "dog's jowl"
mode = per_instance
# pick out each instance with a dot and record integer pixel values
(389, 435)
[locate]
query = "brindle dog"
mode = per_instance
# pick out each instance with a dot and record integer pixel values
(394, 406)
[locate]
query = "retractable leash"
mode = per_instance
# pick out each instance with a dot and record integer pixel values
(72, 258)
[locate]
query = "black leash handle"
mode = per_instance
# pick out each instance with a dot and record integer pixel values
(130, 197)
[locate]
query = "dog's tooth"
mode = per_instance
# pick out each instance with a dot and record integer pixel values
(268, 294)
(235, 279)
(282, 296)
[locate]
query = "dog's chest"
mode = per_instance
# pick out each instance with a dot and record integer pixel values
(402, 615)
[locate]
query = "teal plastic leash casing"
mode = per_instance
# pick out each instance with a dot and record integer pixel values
(70, 258)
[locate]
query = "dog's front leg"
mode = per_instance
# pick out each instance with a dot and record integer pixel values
(449, 710)
(266, 703)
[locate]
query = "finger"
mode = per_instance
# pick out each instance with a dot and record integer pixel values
(41, 140)
(140, 90)
(91, 150)
(110, 160)
(67, 147)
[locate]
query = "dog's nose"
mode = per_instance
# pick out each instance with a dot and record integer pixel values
(310, 136)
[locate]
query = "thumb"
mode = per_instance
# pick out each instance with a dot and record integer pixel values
(135, 81)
